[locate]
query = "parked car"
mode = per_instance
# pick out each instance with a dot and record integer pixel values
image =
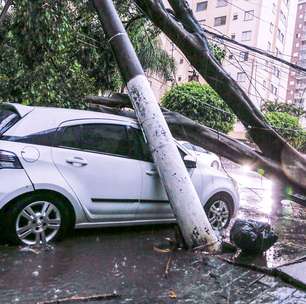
(63, 168)
(208, 157)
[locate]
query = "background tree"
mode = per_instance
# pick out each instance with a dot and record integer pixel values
(200, 103)
(291, 109)
(288, 127)
(54, 53)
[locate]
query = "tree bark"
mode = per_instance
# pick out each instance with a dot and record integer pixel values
(185, 31)
(5, 9)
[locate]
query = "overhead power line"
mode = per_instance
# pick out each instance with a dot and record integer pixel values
(243, 10)
(256, 50)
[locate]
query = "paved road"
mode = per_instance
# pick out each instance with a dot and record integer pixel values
(124, 260)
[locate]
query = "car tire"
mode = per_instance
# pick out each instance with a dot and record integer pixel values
(37, 219)
(215, 165)
(219, 210)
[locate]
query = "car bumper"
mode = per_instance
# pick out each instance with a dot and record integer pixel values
(13, 182)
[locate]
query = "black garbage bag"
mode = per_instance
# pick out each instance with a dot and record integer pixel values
(252, 237)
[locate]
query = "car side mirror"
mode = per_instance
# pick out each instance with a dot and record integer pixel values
(190, 162)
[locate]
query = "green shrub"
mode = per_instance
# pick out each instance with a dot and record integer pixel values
(200, 103)
(288, 127)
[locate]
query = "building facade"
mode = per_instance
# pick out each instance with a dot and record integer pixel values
(296, 93)
(263, 24)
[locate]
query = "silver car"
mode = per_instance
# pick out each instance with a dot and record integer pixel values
(62, 169)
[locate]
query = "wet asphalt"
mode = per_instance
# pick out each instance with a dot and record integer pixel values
(124, 261)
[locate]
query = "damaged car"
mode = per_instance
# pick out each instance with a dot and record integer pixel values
(62, 169)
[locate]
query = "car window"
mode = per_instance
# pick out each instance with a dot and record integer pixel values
(43, 138)
(102, 138)
(199, 149)
(188, 146)
(70, 137)
(7, 119)
(139, 149)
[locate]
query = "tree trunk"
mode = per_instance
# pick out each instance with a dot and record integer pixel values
(5, 9)
(185, 31)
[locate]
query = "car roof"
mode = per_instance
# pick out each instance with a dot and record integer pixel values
(35, 119)
(66, 114)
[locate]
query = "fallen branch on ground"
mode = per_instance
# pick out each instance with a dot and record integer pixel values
(79, 299)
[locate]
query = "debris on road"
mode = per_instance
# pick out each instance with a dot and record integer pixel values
(252, 237)
(79, 299)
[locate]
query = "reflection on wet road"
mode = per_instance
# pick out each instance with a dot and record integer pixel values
(287, 219)
(122, 260)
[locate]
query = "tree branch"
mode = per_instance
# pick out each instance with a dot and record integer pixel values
(183, 128)
(5, 9)
(185, 31)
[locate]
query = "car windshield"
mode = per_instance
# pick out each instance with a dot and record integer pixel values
(7, 119)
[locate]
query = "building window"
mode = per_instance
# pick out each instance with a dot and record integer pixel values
(201, 6)
(220, 21)
(280, 36)
(273, 8)
(276, 72)
(241, 77)
(246, 36)
(235, 16)
(179, 78)
(283, 17)
(181, 61)
(249, 15)
(244, 56)
(233, 36)
(269, 46)
(221, 3)
(271, 27)
(273, 89)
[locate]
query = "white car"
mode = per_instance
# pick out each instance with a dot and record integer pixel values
(63, 168)
(208, 157)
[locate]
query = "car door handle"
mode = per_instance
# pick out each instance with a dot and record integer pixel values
(151, 172)
(78, 161)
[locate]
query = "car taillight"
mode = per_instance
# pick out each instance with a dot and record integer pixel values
(9, 160)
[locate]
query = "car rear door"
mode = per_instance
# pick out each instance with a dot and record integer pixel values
(93, 157)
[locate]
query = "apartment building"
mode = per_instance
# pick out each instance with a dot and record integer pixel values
(297, 80)
(263, 24)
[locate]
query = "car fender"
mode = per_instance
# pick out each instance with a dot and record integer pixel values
(209, 193)
(80, 215)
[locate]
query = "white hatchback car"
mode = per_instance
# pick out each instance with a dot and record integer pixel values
(63, 168)
(208, 157)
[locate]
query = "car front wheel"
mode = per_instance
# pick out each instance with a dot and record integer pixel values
(37, 219)
(219, 211)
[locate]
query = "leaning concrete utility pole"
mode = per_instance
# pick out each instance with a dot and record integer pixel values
(184, 200)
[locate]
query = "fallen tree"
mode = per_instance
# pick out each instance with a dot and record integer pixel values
(184, 30)
(184, 128)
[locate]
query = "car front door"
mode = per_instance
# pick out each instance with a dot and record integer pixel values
(154, 203)
(93, 157)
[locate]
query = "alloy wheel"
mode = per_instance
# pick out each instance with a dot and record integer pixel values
(218, 214)
(38, 223)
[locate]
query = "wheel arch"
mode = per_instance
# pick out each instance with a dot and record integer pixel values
(61, 196)
(227, 195)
